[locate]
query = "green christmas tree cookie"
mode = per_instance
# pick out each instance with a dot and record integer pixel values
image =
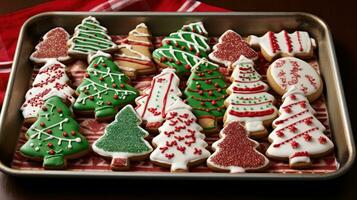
(90, 37)
(183, 49)
(123, 140)
(104, 88)
(206, 92)
(54, 137)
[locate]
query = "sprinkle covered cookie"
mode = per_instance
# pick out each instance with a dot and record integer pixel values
(54, 137)
(123, 140)
(53, 46)
(230, 47)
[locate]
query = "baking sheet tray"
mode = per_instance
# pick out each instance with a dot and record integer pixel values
(162, 24)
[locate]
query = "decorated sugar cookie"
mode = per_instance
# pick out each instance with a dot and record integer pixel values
(123, 140)
(104, 89)
(53, 45)
(206, 92)
(183, 49)
(180, 143)
(230, 47)
(54, 137)
(283, 44)
(235, 152)
(153, 104)
(298, 135)
(51, 80)
(90, 37)
(134, 56)
(289, 71)
(248, 100)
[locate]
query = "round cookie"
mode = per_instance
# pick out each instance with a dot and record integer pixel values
(286, 72)
(180, 144)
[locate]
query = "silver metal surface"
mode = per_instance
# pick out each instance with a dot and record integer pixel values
(120, 23)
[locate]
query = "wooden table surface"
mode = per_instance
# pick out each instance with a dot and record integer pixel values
(339, 15)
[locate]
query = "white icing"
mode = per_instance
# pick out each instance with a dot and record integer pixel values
(198, 25)
(44, 38)
(97, 54)
(297, 117)
(140, 56)
(43, 89)
(300, 159)
(245, 76)
(179, 114)
(300, 41)
(232, 168)
(136, 33)
(215, 48)
(114, 155)
(162, 93)
(290, 71)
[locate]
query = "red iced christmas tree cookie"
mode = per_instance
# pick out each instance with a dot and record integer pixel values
(53, 45)
(134, 56)
(248, 100)
(153, 104)
(180, 144)
(235, 152)
(298, 135)
(230, 47)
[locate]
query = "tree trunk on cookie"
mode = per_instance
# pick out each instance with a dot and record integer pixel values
(90, 37)
(298, 135)
(152, 105)
(235, 152)
(206, 92)
(104, 88)
(183, 49)
(54, 137)
(180, 143)
(134, 56)
(248, 100)
(123, 140)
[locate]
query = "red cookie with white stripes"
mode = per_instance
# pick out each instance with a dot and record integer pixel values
(134, 56)
(282, 44)
(298, 134)
(286, 72)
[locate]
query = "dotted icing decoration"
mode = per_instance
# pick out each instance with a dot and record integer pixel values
(123, 138)
(206, 92)
(54, 136)
(51, 80)
(90, 37)
(180, 141)
(298, 135)
(104, 87)
(183, 49)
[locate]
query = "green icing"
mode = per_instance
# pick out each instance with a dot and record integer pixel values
(124, 135)
(176, 47)
(104, 88)
(205, 77)
(91, 37)
(54, 135)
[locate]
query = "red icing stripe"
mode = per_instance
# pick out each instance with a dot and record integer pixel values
(252, 113)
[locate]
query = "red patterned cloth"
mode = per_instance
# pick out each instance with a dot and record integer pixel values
(11, 23)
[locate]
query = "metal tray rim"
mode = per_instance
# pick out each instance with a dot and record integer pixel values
(144, 175)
